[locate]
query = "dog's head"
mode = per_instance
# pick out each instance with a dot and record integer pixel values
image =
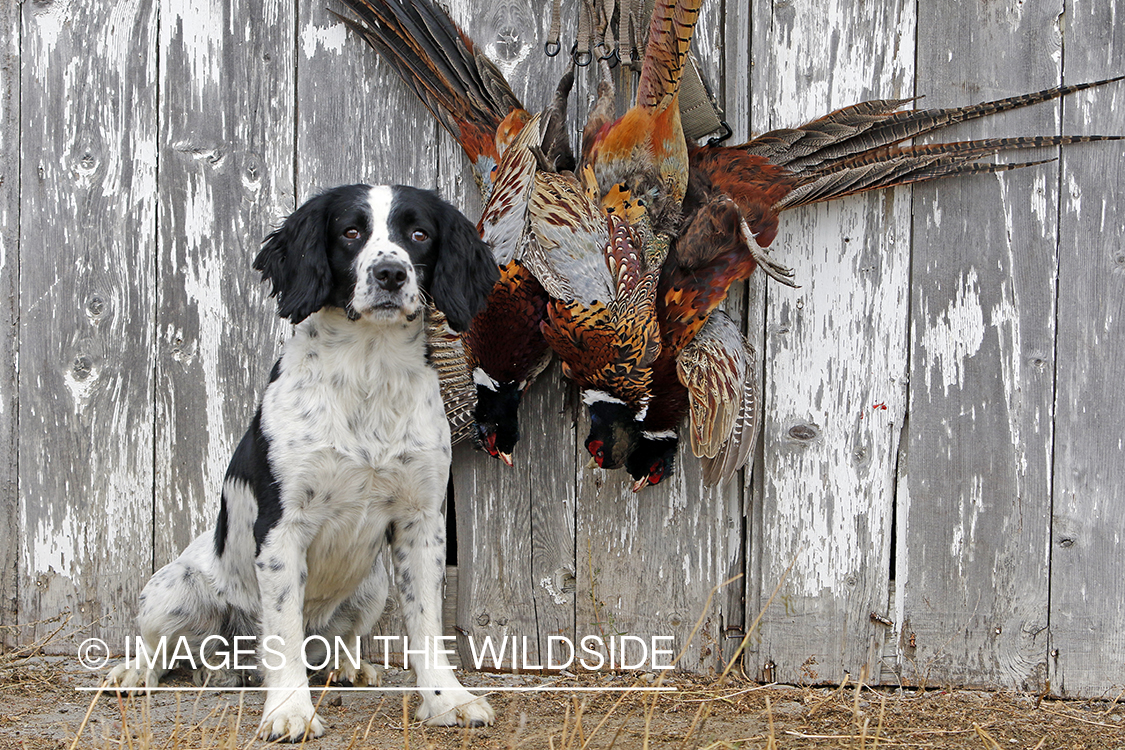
(378, 252)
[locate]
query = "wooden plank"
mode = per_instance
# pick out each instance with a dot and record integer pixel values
(364, 126)
(648, 562)
(721, 49)
(9, 308)
(834, 348)
(87, 228)
(226, 179)
(974, 497)
(1087, 648)
(737, 88)
(515, 526)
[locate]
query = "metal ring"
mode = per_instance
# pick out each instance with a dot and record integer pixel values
(552, 49)
(583, 58)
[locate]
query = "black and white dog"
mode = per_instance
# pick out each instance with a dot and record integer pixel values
(349, 452)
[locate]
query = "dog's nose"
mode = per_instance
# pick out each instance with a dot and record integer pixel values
(390, 276)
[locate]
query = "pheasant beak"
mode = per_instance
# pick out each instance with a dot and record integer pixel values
(640, 484)
(490, 446)
(505, 457)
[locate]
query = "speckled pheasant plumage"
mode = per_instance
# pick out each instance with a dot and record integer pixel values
(607, 343)
(643, 154)
(602, 275)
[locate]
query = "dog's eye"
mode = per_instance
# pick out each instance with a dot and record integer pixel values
(419, 236)
(351, 233)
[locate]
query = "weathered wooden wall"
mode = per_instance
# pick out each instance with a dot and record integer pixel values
(9, 307)
(1086, 634)
(146, 147)
(972, 574)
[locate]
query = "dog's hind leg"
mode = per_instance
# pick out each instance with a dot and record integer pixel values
(179, 608)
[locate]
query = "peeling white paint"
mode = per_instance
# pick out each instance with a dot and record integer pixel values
(201, 34)
(50, 20)
(330, 38)
(969, 510)
(955, 335)
(204, 281)
(81, 389)
(53, 547)
(548, 585)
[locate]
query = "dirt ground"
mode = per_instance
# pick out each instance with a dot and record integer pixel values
(42, 708)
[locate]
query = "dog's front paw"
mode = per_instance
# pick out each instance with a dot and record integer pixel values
(368, 675)
(291, 720)
(131, 675)
(455, 708)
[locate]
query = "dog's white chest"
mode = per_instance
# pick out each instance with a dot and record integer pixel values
(354, 393)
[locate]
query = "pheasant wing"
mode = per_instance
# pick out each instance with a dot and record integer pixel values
(568, 234)
(716, 368)
(447, 355)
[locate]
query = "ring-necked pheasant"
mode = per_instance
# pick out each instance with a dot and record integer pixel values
(736, 195)
(471, 100)
(601, 316)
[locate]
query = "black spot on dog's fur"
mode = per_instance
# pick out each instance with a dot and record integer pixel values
(250, 464)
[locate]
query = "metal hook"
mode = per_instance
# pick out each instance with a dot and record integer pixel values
(727, 133)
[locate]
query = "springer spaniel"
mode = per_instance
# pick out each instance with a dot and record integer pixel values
(348, 453)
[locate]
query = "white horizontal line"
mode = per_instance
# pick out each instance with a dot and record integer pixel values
(527, 689)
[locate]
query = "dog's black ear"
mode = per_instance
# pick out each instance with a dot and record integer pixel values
(464, 272)
(294, 258)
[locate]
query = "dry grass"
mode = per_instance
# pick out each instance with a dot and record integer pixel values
(742, 715)
(44, 711)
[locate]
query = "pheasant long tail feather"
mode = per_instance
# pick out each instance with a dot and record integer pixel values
(889, 166)
(464, 92)
(902, 125)
(867, 126)
(788, 145)
(669, 40)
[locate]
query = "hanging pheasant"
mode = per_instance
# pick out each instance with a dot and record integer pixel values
(642, 157)
(601, 317)
(471, 100)
(735, 198)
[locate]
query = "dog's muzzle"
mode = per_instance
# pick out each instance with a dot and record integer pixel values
(389, 290)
